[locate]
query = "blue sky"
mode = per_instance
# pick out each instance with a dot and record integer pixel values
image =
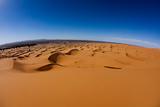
(126, 21)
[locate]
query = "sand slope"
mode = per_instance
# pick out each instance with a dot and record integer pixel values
(80, 75)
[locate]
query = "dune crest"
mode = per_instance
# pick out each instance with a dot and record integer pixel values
(54, 57)
(72, 52)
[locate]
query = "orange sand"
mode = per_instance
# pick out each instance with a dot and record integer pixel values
(80, 75)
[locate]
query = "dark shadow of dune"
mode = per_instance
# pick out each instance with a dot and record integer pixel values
(54, 57)
(38, 55)
(45, 67)
(111, 67)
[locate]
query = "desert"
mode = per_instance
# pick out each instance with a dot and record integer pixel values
(80, 74)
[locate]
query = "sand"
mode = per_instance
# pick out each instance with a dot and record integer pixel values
(80, 75)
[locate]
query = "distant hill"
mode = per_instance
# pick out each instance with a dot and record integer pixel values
(41, 41)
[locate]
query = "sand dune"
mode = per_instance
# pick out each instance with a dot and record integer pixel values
(80, 75)
(72, 52)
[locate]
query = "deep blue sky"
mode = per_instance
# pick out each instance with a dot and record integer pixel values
(129, 21)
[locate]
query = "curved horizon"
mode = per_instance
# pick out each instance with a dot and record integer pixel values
(133, 22)
(39, 41)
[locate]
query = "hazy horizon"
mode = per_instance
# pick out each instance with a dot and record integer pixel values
(133, 22)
